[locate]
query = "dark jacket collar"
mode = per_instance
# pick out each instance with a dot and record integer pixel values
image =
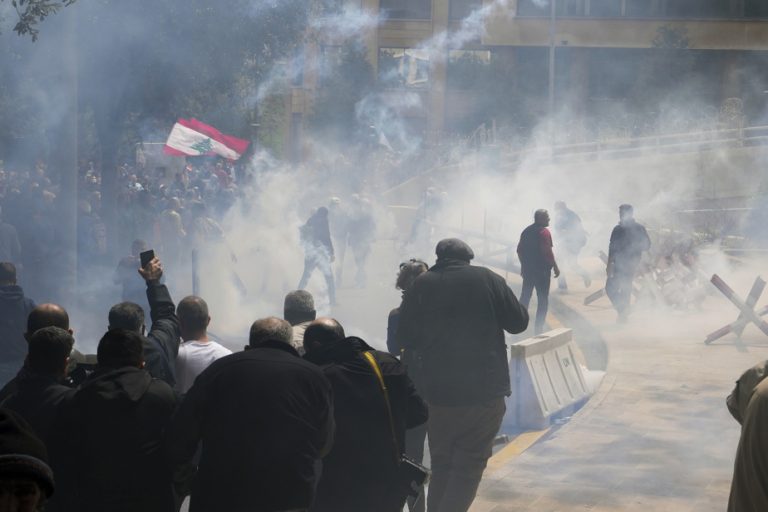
(109, 383)
(449, 262)
(338, 351)
(279, 345)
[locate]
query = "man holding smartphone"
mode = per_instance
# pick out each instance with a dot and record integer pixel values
(161, 345)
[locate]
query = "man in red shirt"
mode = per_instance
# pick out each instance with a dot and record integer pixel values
(537, 261)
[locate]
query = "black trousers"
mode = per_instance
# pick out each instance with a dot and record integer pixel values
(539, 281)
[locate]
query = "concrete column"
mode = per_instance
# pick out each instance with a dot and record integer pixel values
(66, 160)
(437, 78)
(732, 76)
(372, 37)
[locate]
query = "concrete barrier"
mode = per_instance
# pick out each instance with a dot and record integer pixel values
(547, 380)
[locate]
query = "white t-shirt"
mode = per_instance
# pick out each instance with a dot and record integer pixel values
(194, 357)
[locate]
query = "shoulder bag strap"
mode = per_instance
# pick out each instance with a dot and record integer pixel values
(380, 377)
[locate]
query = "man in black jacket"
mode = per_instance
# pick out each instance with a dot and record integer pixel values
(318, 251)
(629, 240)
(360, 471)
(40, 390)
(455, 316)
(106, 446)
(161, 345)
(14, 310)
(264, 417)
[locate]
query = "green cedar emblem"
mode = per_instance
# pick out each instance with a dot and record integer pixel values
(203, 147)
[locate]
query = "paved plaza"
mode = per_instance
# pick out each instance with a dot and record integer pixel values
(656, 436)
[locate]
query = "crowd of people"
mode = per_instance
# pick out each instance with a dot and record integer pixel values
(307, 417)
(171, 210)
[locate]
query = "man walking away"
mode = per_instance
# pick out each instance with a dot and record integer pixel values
(108, 437)
(360, 472)
(161, 345)
(571, 238)
(299, 311)
(14, 310)
(198, 351)
(318, 251)
(454, 315)
(537, 261)
(629, 240)
(264, 417)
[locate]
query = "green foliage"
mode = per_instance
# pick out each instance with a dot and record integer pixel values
(272, 124)
(344, 82)
(33, 12)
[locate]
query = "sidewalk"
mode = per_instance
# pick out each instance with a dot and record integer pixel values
(657, 435)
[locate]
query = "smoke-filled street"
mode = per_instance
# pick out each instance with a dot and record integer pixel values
(383, 255)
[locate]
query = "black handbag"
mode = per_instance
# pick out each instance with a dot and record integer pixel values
(411, 476)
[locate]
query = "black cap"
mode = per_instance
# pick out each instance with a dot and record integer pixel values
(454, 249)
(22, 454)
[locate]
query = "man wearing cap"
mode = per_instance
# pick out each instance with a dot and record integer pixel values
(26, 479)
(455, 315)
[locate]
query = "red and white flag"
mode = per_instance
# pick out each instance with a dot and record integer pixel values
(190, 137)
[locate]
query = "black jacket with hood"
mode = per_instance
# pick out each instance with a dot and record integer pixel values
(358, 472)
(265, 417)
(455, 316)
(106, 449)
(14, 310)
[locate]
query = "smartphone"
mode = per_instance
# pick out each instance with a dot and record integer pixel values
(146, 257)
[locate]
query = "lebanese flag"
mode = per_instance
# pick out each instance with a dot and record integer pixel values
(190, 137)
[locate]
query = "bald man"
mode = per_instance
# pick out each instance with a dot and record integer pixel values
(360, 470)
(264, 417)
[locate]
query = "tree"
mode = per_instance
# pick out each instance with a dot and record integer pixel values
(33, 12)
(344, 82)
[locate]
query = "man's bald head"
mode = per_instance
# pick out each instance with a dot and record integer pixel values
(270, 329)
(47, 315)
(321, 332)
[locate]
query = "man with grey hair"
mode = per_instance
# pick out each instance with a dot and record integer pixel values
(264, 417)
(537, 262)
(454, 317)
(198, 351)
(299, 311)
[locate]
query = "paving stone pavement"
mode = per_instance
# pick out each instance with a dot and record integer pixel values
(656, 436)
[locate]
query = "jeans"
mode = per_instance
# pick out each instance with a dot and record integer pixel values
(618, 287)
(460, 443)
(319, 258)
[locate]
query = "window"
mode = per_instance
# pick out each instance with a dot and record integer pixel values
(571, 7)
(330, 61)
(639, 8)
(605, 8)
(460, 9)
(405, 67)
(330, 7)
(756, 9)
(407, 9)
(698, 8)
(467, 67)
(533, 7)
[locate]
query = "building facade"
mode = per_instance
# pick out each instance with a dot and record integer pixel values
(619, 65)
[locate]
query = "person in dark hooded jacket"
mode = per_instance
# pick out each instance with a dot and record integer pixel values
(360, 471)
(40, 388)
(318, 251)
(454, 315)
(14, 310)
(106, 447)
